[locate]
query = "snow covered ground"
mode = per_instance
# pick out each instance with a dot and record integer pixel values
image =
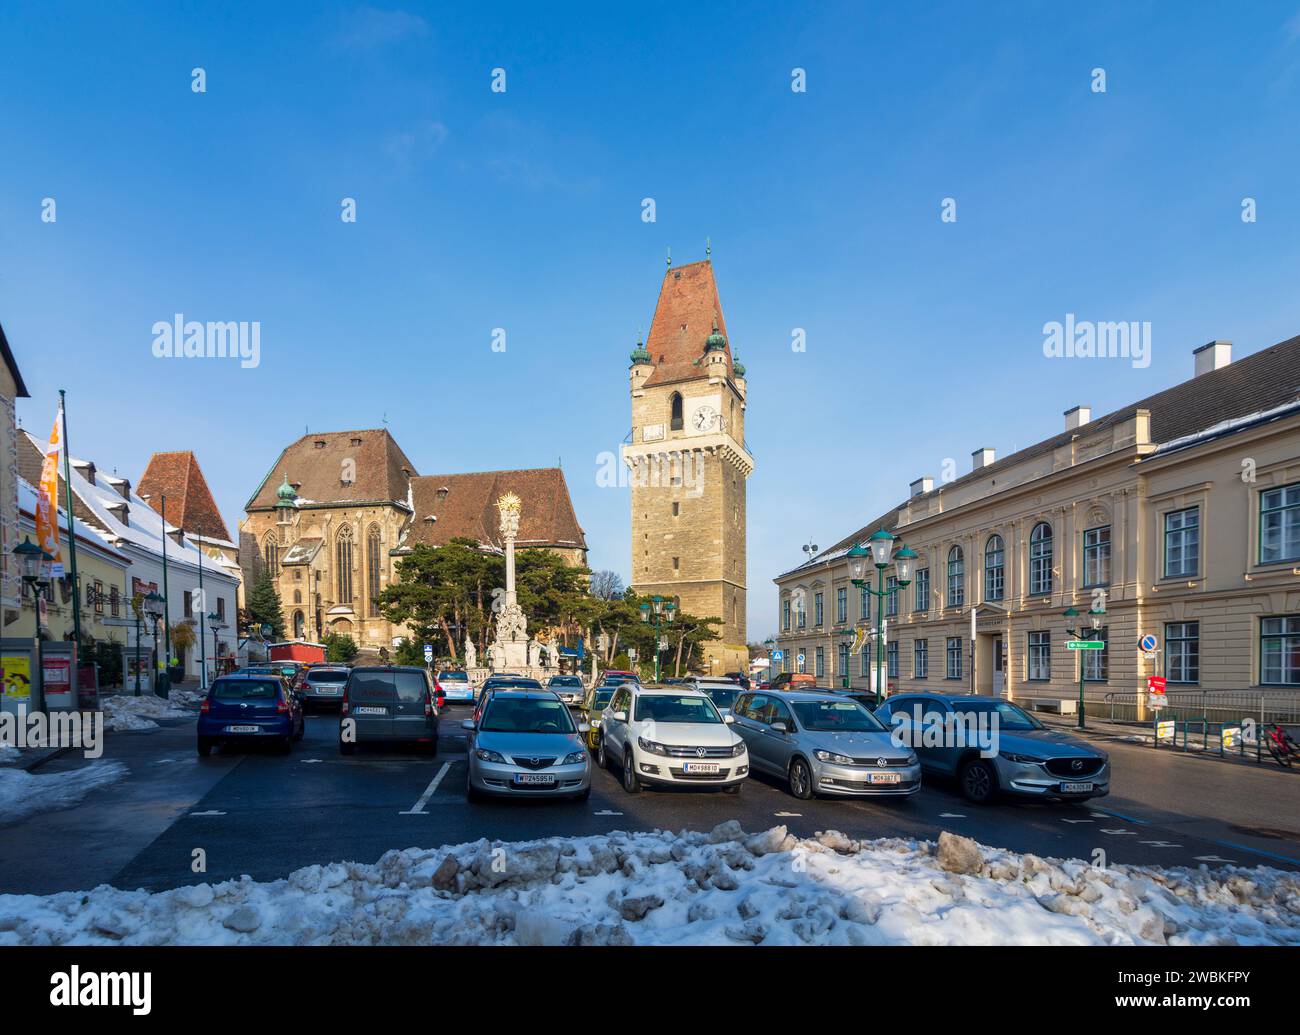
(23, 793)
(721, 887)
(123, 712)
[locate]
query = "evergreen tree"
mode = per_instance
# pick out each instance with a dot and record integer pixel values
(340, 648)
(264, 606)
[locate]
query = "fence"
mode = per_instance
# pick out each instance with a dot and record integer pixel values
(1213, 706)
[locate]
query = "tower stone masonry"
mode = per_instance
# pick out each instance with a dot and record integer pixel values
(688, 462)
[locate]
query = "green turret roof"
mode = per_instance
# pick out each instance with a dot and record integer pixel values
(639, 354)
(285, 495)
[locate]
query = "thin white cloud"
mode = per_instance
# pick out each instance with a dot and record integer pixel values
(369, 28)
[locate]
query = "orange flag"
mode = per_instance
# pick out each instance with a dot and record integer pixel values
(47, 499)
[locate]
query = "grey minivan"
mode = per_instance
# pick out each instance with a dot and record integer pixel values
(388, 703)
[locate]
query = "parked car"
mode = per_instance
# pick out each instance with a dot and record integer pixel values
(249, 708)
(388, 704)
(455, 685)
(793, 681)
(323, 684)
(526, 744)
(721, 691)
(591, 710)
(502, 682)
(670, 735)
(739, 678)
(617, 677)
(823, 743)
(567, 688)
(1029, 760)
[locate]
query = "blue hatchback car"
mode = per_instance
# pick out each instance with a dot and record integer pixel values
(250, 708)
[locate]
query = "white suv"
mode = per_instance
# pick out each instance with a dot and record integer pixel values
(670, 735)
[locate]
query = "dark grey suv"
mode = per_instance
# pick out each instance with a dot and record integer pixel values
(388, 703)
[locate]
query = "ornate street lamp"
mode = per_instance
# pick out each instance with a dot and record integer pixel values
(33, 560)
(216, 625)
(661, 610)
(879, 550)
(154, 607)
(1095, 617)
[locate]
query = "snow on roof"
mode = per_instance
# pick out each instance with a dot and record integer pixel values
(1227, 427)
(27, 503)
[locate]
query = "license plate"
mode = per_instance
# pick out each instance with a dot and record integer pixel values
(370, 711)
(1075, 788)
(884, 777)
(700, 767)
(534, 778)
(326, 690)
(243, 729)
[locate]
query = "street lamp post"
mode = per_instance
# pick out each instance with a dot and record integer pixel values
(880, 545)
(770, 644)
(33, 560)
(216, 625)
(661, 610)
(1095, 616)
(154, 609)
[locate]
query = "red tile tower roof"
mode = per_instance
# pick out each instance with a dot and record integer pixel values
(684, 318)
(189, 500)
(464, 505)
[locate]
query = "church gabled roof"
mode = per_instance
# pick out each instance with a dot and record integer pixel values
(189, 500)
(450, 506)
(319, 465)
(684, 319)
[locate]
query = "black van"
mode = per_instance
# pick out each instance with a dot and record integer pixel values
(388, 703)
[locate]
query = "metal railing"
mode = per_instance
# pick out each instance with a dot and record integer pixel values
(1214, 706)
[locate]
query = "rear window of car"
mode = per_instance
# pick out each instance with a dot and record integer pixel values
(388, 686)
(338, 676)
(245, 690)
(455, 677)
(566, 681)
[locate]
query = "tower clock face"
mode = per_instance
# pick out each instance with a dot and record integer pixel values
(704, 418)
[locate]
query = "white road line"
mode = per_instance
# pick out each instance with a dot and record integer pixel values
(1116, 830)
(607, 812)
(1213, 859)
(1161, 844)
(952, 815)
(783, 814)
(418, 810)
(309, 761)
(1076, 821)
(210, 812)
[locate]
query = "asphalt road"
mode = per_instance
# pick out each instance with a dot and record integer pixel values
(264, 815)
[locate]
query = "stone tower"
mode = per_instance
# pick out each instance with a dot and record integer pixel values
(688, 462)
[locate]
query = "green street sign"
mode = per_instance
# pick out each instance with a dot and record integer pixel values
(1085, 645)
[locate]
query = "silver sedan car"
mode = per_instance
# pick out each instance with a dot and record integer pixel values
(525, 744)
(823, 743)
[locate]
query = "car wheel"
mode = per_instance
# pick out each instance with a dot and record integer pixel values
(346, 748)
(602, 758)
(583, 796)
(801, 783)
(631, 783)
(978, 782)
(471, 792)
(205, 747)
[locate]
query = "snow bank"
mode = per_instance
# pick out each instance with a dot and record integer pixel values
(23, 793)
(8, 754)
(123, 712)
(722, 887)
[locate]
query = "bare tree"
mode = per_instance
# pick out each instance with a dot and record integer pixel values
(606, 585)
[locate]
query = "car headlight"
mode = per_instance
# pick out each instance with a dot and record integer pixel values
(831, 756)
(484, 755)
(1022, 759)
(595, 724)
(911, 758)
(651, 746)
(737, 749)
(573, 758)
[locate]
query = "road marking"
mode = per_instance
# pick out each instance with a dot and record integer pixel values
(1120, 815)
(309, 761)
(1259, 851)
(1161, 844)
(1108, 830)
(1076, 821)
(607, 812)
(799, 814)
(1213, 859)
(210, 812)
(418, 810)
(952, 815)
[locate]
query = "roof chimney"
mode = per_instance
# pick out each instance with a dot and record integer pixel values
(922, 485)
(1213, 355)
(981, 458)
(1077, 417)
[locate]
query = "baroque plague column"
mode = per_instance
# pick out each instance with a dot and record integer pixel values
(509, 649)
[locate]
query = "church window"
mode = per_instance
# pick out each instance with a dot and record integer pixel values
(271, 554)
(677, 509)
(372, 569)
(343, 565)
(675, 424)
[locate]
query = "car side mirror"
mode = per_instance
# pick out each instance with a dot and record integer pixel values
(584, 727)
(728, 718)
(780, 727)
(467, 724)
(620, 716)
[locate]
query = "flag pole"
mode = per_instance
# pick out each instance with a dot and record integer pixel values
(72, 531)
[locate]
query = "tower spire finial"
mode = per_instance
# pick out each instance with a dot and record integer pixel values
(670, 256)
(708, 248)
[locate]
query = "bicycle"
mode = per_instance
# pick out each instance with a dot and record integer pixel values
(1281, 745)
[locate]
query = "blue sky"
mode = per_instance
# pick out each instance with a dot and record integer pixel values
(522, 210)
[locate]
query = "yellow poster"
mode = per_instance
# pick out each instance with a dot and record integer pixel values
(17, 676)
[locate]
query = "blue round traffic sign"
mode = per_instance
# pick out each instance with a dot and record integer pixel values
(1148, 642)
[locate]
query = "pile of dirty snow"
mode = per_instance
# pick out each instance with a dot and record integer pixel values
(124, 712)
(716, 888)
(8, 754)
(23, 794)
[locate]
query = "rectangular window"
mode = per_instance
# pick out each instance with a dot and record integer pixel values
(1182, 542)
(956, 578)
(221, 608)
(189, 605)
(891, 659)
(99, 597)
(995, 569)
(1096, 556)
(891, 596)
(920, 659)
(1279, 651)
(1279, 524)
(115, 602)
(844, 660)
(922, 584)
(802, 612)
(785, 615)
(1096, 663)
(864, 604)
(1040, 656)
(954, 657)
(818, 610)
(866, 660)
(1183, 652)
(821, 662)
(841, 605)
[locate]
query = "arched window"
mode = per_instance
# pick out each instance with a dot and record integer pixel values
(299, 625)
(956, 577)
(297, 596)
(994, 568)
(676, 423)
(271, 555)
(372, 570)
(343, 565)
(1040, 559)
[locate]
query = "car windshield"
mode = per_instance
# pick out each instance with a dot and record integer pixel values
(722, 696)
(1009, 716)
(676, 708)
(388, 686)
(526, 715)
(836, 717)
(454, 677)
(566, 681)
(245, 690)
(341, 676)
(602, 698)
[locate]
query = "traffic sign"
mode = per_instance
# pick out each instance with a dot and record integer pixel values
(1085, 644)
(1156, 701)
(428, 653)
(1148, 643)
(1165, 730)
(800, 657)
(778, 655)
(1156, 684)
